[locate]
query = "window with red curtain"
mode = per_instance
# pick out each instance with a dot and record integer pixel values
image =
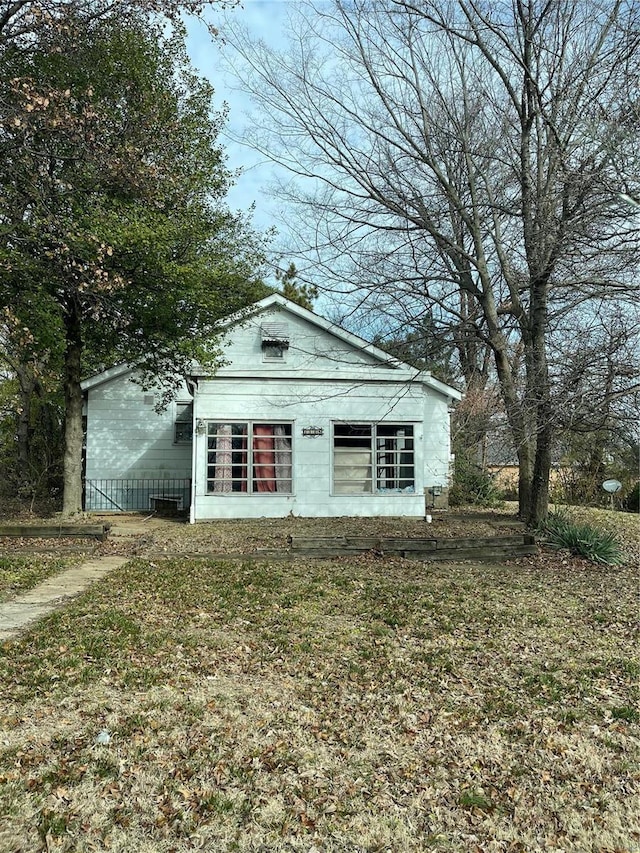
(249, 457)
(264, 462)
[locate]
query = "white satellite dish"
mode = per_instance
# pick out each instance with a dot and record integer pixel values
(612, 486)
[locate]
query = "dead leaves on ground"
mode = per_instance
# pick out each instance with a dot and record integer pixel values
(355, 705)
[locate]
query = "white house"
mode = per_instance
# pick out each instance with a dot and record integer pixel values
(303, 418)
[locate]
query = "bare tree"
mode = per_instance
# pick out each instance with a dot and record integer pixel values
(598, 398)
(469, 159)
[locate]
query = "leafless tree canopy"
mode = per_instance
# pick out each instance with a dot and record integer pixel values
(473, 160)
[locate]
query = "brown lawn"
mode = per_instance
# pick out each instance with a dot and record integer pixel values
(363, 704)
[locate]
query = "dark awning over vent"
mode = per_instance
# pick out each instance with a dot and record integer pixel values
(275, 333)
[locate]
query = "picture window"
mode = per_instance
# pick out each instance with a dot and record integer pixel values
(373, 459)
(249, 457)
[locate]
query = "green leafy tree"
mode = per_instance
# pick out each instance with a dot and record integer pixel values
(21, 21)
(112, 208)
(31, 412)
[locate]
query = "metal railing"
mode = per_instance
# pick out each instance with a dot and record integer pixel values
(133, 495)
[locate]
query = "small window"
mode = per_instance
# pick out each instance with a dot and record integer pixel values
(183, 425)
(275, 341)
(273, 352)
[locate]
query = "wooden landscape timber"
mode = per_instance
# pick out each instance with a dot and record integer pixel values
(502, 547)
(55, 531)
(477, 548)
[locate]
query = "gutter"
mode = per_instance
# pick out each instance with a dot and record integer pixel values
(192, 385)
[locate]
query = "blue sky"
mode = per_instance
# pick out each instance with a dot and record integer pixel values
(264, 19)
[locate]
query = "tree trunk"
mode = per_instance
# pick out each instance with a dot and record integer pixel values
(539, 387)
(26, 384)
(72, 460)
(539, 503)
(525, 473)
(517, 415)
(539, 506)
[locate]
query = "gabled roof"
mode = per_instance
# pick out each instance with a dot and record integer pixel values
(277, 300)
(105, 376)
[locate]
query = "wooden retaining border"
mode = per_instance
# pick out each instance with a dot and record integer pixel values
(476, 548)
(497, 548)
(55, 531)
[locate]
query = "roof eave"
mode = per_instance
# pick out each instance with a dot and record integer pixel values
(105, 376)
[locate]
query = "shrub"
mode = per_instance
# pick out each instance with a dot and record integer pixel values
(471, 485)
(599, 546)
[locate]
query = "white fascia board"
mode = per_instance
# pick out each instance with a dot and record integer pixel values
(442, 387)
(360, 374)
(105, 376)
(121, 370)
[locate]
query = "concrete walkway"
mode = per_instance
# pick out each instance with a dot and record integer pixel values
(55, 591)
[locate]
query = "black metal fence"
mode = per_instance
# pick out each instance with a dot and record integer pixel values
(137, 495)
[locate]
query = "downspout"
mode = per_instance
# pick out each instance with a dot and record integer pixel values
(192, 385)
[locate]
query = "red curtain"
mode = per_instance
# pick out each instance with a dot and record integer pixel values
(264, 470)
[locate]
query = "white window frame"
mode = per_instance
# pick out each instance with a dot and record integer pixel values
(371, 462)
(224, 485)
(178, 421)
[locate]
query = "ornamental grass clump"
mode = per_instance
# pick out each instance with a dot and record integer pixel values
(599, 546)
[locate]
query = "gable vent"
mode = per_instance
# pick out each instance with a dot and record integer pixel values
(275, 333)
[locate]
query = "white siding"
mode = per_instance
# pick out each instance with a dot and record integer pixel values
(311, 348)
(127, 439)
(322, 379)
(307, 404)
(437, 439)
